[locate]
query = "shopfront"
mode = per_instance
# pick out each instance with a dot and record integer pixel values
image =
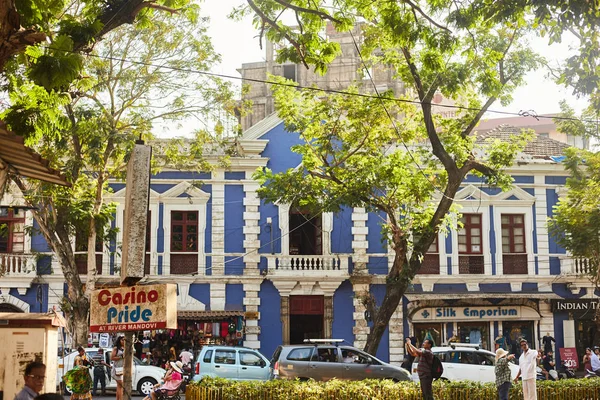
(579, 327)
(487, 326)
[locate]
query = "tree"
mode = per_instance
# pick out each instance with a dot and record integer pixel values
(89, 128)
(388, 154)
(576, 218)
(30, 22)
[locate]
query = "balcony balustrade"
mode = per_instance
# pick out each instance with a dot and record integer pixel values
(302, 265)
(576, 265)
(17, 265)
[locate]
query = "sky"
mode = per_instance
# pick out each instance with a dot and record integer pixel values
(237, 42)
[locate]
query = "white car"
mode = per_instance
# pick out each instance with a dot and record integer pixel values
(144, 376)
(463, 361)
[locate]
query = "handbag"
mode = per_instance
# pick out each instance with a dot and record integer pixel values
(118, 371)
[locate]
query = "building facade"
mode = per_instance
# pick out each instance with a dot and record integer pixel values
(291, 275)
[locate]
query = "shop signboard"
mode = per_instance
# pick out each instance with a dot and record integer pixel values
(569, 305)
(134, 308)
(474, 313)
(568, 355)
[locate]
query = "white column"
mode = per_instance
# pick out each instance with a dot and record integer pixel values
(55, 294)
(217, 296)
(251, 228)
(252, 301)
(541, 224)
(359, 241)
(218, 224)
(361, 329)
(396, 340)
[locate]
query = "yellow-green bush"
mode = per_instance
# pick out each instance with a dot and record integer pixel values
(222, 389)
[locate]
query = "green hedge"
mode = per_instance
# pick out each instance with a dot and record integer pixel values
(222, 389)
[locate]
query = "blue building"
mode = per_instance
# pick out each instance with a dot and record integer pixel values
(292, 275)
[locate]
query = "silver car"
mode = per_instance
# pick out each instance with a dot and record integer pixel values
(323, 362)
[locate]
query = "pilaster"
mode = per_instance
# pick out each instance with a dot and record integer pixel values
(359, 238)
(251, 303)
(218, 224)
(251, 229)
(217, 296)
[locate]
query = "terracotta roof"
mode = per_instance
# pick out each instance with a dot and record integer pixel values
(25, 161)
(523, 122)
(539, 147)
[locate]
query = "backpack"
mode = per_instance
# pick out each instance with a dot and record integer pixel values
(437, 369)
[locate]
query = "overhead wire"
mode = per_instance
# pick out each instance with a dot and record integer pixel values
(521, 113)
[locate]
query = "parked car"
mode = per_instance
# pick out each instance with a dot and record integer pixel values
(464, 361)
(236, 363)
(144, 376)
(325, 359)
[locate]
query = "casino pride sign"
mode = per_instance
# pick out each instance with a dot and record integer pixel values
(134, 308)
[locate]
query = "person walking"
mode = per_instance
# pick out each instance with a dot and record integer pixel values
(35, 375)
(527, 370)
(99, 372)
(425, 366)
(502, 371)
(116, 357)
(595, 360)
(587, 360)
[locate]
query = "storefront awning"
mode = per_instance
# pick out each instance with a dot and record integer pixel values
(208, 315)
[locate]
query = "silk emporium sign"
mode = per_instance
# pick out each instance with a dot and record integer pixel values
(134, 308)
(474, 313)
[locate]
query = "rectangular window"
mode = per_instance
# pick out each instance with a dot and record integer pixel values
(470, 260)
(81, 251)
(431, 260)
(289, 72)
(514, 251)
(12, 230)
(184, 242)
(184, 231)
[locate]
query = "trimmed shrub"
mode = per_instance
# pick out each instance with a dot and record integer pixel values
(222, 389)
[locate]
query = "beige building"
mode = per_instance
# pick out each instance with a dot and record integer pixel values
(345, 70)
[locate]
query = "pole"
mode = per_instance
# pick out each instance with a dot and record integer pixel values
(127, 365)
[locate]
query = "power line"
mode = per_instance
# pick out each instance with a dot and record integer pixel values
(521, 113)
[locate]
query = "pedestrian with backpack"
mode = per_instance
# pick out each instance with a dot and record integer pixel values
(502, 371)
(426, 367)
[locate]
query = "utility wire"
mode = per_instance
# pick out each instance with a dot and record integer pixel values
(521, 113)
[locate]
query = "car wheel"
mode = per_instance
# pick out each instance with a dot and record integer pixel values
(145, 386)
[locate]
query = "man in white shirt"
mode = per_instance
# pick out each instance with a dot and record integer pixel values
(595, 360)
(186, 357)
(527, 371)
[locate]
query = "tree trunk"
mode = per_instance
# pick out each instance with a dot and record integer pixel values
(404, 270)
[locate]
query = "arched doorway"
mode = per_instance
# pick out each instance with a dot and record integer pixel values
(7, 307)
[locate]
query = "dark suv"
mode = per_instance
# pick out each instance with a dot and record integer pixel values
(323, 360)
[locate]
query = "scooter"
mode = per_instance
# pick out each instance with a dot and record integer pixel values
(591, 374)
(565, 372)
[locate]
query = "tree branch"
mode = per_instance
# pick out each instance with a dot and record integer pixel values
(438, 148)
(269, 21)
(318, 13)
(469, 128)
(427, 17)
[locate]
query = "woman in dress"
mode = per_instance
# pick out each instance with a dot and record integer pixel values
(117, 370)
(587, 360)
(171, 380)
(79, 380)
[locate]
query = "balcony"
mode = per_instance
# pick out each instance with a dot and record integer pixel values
(576, 266)
(307, 266)
(15, 265)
